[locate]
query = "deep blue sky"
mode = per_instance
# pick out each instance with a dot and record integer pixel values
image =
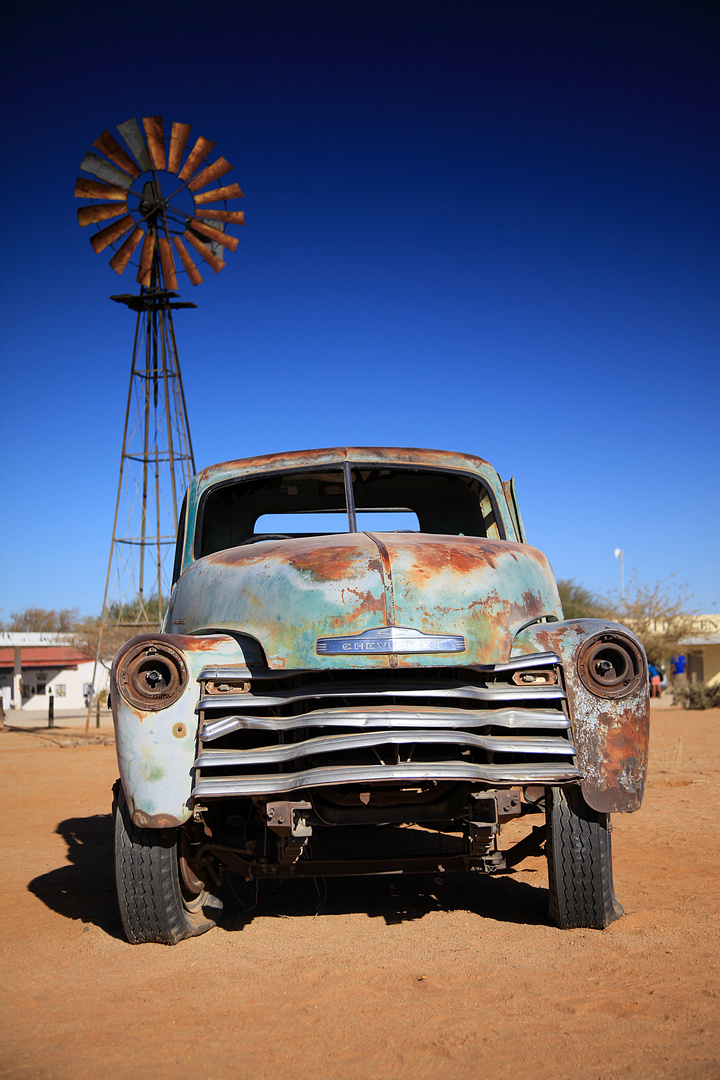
(484, 226)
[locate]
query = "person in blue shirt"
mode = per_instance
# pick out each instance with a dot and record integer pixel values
(678, 671)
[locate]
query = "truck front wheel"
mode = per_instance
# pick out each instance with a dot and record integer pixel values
(579, 856)
(155, 901)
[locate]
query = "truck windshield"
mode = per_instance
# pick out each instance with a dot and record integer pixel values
(314, 502)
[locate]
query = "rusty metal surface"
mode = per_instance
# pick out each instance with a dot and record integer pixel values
(108, 146)
(221, 194)
(178, 141)
(212, 172)
(202, 249)
(374, 455)
(289, 593)
(186, 259)
(168, 264)
(410, 456)
(155, 764)
(197, 155)
(91, 189)
(611, 736)
(111, 233)
(155, 139)
(215, 235)
(124, 253)
(231, 216)
(146, 257)
(414, 864)
(90, 215)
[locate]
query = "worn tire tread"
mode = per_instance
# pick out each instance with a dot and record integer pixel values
(579, 855)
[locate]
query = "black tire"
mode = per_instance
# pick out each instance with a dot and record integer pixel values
(579, 856)
(154, 904)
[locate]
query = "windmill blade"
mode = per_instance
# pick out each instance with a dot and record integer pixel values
(236, 216)
(123, 255)
(214, 234)
(168, 263)
(218, 168)
(93, 163)
(89, 215)
(132, 136)
(155, 139)
(178, 140)
(90, 189)
(218, 194)
(111, 149)
(146, 258)
(199, 152)
(204, 250)
(191, 269)
(111, 233)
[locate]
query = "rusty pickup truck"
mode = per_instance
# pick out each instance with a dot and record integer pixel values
(365, 669)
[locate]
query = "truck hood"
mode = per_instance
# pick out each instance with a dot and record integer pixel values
(288, 593)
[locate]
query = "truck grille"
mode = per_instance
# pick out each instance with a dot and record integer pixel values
(263, 732)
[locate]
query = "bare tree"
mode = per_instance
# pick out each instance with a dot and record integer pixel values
(43, 620)
(577, 601)
(661, 614)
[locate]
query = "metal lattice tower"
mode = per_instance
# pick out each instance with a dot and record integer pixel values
(154, 187)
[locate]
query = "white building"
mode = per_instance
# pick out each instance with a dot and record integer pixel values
(34, 666)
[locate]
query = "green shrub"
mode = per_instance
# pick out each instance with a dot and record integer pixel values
(697, 696)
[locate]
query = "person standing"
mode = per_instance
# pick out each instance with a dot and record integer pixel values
(678, 671)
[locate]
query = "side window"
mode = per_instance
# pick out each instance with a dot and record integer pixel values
(489, 519)
(177, 565)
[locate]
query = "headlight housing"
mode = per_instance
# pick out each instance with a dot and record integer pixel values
(611, 665)
(151, 675)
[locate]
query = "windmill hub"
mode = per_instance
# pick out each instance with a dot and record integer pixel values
(151, 201)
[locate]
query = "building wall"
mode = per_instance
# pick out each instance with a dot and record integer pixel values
(711, 664)
(703, 650)
(67, 685)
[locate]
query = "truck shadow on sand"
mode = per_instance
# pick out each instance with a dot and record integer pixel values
(84, 889)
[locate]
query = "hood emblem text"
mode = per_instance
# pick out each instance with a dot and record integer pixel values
(391, 639)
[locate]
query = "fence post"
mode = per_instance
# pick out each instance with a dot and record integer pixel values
(97, 712)
(51, 711)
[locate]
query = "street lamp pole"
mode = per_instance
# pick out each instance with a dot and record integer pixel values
(619, 555)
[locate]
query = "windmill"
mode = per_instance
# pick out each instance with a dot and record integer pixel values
(153, 200)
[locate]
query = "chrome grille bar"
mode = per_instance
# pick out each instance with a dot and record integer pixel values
(411, 690)
(336, 743)
(403, 717)
(264, 784)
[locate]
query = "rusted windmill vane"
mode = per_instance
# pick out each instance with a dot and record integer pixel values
(158, 203)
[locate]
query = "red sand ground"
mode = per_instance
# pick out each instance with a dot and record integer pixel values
(383, 977)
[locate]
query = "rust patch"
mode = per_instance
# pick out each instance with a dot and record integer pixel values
(181, 641)
(155, 821)
(327, 559)
(366, 602)
(329, 562)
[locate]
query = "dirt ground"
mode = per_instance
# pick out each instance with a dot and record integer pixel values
(373, 978)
